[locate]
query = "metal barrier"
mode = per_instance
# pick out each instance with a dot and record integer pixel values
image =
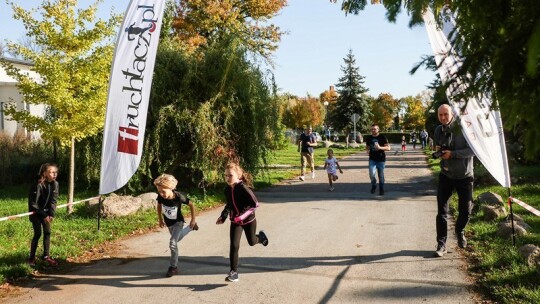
(12, 217)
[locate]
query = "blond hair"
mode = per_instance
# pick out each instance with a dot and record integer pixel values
(244, 176)
(166, 181)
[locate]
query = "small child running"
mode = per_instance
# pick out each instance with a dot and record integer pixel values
(169, 212)
(240, 208)
(330, 164)
(403, 143)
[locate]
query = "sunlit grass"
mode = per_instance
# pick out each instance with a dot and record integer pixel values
(503, 274)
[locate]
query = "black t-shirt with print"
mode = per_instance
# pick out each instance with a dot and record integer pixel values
(305, 140)
(172, 208)
(374, 154)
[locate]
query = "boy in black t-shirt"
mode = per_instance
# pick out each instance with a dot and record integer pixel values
(376, 144)
(169, 212)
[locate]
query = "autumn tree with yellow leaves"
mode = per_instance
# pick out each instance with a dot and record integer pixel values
(384, 109)
(72, 58)
(199, 22)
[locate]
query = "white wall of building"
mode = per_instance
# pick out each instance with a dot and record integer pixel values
(10, 94)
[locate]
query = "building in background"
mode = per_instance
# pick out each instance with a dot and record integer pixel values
(10, 93)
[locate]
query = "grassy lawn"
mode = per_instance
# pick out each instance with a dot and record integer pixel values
(502, 274)
(76, 234)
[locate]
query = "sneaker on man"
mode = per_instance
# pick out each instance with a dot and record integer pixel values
(373, 188)
(331, 189)
(232, 276)
(263, 239)
(50, 261)
(441, 250)
(381, 192)
(461, 240)
(312, 175)
(302, 177)
(171, 271)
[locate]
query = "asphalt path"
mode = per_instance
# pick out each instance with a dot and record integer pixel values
(345, 246)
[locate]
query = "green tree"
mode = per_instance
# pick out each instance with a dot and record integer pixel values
(384, 109)
(206, 111)
(351, 98)
(500, 44)
(73, 61)
(414, 118)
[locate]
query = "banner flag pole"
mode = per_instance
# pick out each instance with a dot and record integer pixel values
(129, 92)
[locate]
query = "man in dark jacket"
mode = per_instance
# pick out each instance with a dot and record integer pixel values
(456, 174)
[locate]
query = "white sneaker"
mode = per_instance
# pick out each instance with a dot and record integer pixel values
(312, 175)
(302, 177)
(331, 189)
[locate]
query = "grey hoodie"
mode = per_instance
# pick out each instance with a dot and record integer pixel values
(460, 165)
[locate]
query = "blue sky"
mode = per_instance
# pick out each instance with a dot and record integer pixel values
(319, 36)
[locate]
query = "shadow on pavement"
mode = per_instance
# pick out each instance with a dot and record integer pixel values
(141, 271)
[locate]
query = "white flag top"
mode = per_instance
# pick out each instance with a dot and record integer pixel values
(481, 126)
(129, 91)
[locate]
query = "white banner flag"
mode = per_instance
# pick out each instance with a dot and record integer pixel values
(129, 91)
(482, 126)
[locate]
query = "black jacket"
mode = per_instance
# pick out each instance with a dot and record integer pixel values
(241, 204)
(42, 198)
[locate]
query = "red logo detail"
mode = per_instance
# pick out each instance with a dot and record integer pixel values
(128, 141)
(153, 28)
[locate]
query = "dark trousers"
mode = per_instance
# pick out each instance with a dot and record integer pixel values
(464, 189)
(236, 234)
(38, 223)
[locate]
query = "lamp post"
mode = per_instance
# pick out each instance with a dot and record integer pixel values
(326, 120)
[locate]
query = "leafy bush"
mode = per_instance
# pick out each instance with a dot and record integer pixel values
(21, 157)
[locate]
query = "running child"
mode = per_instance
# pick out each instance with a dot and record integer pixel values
(42, 198)
(169, 212)
(330, 164)
(240, 208)
(403, 143)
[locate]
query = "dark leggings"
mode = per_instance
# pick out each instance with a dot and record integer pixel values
(236, 234)
(37, 224)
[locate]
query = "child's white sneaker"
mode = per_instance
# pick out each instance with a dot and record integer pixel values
(312, 175)
(302, 177)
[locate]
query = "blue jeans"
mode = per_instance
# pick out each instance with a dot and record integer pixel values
(378, 167)
(177, 231)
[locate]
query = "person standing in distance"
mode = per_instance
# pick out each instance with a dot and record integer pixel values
(423, 138)
(456, 174)
(42, 198)
(305, 146)
(376, 145)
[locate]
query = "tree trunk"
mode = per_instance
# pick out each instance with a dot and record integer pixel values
(71, 176)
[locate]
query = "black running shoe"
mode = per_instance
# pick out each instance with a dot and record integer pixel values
(373, 188)
(171, 271)
(232, 276)
(263, 239)
(441, 250)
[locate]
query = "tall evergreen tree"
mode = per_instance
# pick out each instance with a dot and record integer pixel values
(351, 97)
